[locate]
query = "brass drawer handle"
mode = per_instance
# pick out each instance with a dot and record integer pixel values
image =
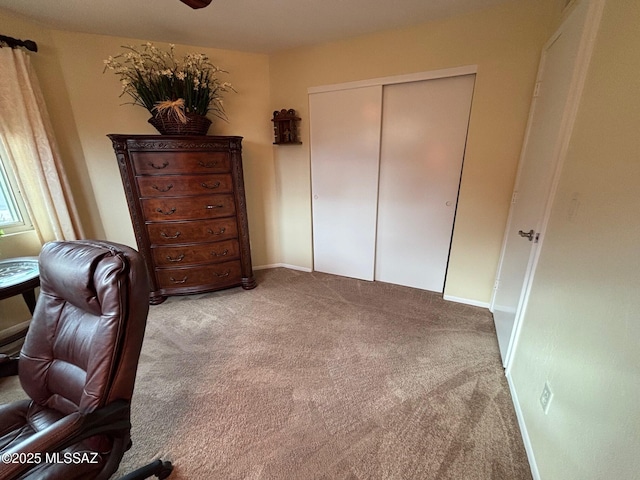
(159, 167)
(169, 212)
(164, 235)
(219, 232)
(222, 275)
(211, 187)
(179, 258)
(208, 164)
(211, 207)
(223, 254)
(178, 281)
(166, 189)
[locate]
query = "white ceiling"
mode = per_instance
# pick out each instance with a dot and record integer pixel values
(261, 26)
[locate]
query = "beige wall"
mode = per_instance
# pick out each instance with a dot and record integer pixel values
(505, 43)
(581, 330)
(85, 106)
(98, 111)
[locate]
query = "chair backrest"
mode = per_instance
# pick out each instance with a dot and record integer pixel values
(82, 349)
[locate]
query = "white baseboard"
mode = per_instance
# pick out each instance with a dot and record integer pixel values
(523, 430)
(283, 265)
(466, 301)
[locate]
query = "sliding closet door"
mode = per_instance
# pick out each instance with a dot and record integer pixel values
(345, 146)
(424, 130)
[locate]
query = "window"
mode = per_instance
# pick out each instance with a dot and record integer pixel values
(13, 213)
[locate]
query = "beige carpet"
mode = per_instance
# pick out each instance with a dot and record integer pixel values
(313, 376)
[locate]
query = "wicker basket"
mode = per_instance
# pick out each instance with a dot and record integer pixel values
(196, 125)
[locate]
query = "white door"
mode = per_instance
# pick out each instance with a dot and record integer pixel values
(424, 130)
(550, 123)
(345, 148)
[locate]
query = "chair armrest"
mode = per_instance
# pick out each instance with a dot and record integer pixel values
(65, 432)
(36, 445)
(8, 366)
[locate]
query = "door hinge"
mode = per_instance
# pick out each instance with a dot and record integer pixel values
(496, 285)
(514, 197)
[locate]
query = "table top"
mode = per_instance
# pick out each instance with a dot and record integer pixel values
(19, 270)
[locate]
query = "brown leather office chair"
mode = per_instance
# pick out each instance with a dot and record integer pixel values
(78, 366)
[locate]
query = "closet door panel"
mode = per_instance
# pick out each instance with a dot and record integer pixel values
(345, 149)
(424, 129)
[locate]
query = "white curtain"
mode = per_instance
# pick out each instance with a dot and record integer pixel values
(27, 137)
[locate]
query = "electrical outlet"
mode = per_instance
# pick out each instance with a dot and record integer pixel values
(546, 397)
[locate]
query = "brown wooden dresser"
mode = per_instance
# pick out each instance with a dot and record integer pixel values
(187, 204)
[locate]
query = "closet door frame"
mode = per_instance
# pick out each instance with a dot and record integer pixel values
(391, 80)
(410, 77)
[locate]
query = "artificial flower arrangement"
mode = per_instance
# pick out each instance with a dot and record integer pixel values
(169, 88)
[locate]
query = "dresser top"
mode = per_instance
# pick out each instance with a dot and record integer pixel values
(171, 137)
(174, 142)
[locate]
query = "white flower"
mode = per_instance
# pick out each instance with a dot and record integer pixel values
(150, 75)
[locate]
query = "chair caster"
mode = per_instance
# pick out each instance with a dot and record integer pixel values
(165, 470)
(159, 468)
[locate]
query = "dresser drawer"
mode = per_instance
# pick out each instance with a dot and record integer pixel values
(196, 254)
(164, 163)
(174, 185)
(187, 208)
(200, 276)
(172, 233)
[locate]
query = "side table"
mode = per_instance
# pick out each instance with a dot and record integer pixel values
(20, 275)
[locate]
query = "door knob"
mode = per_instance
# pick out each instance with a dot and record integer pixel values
(528, 234)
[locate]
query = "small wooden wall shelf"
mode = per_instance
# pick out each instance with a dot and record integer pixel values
(285, 127)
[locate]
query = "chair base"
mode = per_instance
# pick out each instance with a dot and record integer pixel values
(161, 469)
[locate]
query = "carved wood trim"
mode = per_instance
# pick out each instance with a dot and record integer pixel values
(162, 142)
(243, 221)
